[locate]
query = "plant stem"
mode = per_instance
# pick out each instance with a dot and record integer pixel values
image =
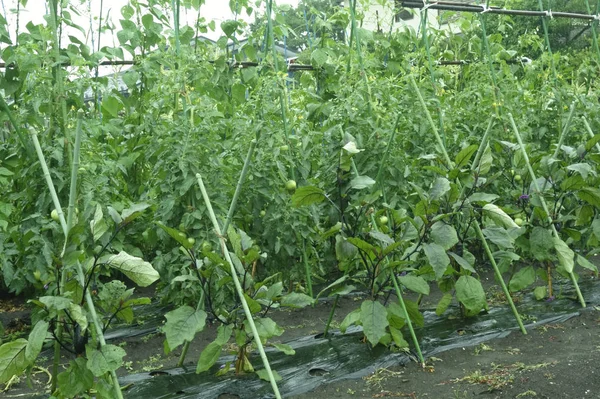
(306, 268)
(331, 313)
(590, 132)
(238, 288)
(65, 227)
(490, 256)
(564, 131)
(240, 183)
(543, 202)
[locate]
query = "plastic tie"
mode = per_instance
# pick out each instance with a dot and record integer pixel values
(549, 14)
(485, 8)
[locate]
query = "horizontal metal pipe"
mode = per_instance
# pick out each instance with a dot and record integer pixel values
(453, 6)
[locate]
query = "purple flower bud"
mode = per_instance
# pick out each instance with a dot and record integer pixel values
(403, 274)
(46, 286)
(524, 197)
(550, 299)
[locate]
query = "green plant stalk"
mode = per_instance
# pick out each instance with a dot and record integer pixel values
(438, 138)
(594, 25)
(388, 149)
(450, 165)
(402, 304)
(490, 256)
(306, 268)
(431, 75)
(240, 183)
(590, 132)
(58, 80)
(484, 141)
(238, 288)
(73, 186)
(408, 321)
(547, 37)
(80, 273)
(175, 4)
(561, 139)
(359, 53)
(4, 107)
(543, 201)
(352, 30)
(331, 313)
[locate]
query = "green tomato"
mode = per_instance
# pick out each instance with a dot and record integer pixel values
(290, 186)
(284, 148)
(181, 227)
(519, 222)
(383, 221)
(263, 213)
(518, 178)
(191, 240)
(37, 275)
(54, 215)
(182, 235)
(206, 246)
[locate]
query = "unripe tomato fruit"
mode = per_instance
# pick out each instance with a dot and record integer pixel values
(54, 215)
(290, 186)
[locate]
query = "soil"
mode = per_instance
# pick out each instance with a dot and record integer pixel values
(551, 361)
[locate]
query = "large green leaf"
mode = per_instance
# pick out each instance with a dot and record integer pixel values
(266, 328)
(263, 375)
(522, 279)
(499, 236)
(350, 319)
(444, 234)
(12, 359)
(37, 336)
(209, 357)
(541, 243)
(105, 359)
(443, 304)
(361, 182)
(565, 254)
(307, 195)
(437, 257)
(138, 270)
(415, 283)
(440, 187)
(177, 235)
(470, 293)
(182, 325)
(76, 379)
(499, 216)
(286, 349)
(583, 262)
(463, 157)
(296, 300)
(373, 316)
(591, 195)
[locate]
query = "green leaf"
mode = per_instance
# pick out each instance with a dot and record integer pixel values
(229, 27)
(263, 375)
(522, 279)
(350, 319)
(76, 379)
(56, 303)
(590, 195)
(499, 236)
(238, 93)
(107, 358)
(361, 244)
(443, 304)
(483, 197)
(444, 235)
(462, 262)
(485, 163)
(252, 304)
(583, 169)
(361, 182)
(415, 283)
(296, 300)
(266, 328)
(286, 349)
(398, 338)
(373, 316)
(133, 212)
(540, 292)
(318, 57)
(437, 257)
(541, 243)
(182, 325)
(565, 255)
(111, 106)
(583, 262)
(500, 218)
(440, 187)
(12, 359)
(209, 357)
(470, 293)
(37, 336)
(307, 195)
(382, 237)
(395, 315)
(139, 271)
(177, 235)
(464, 156)
(98, 226)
